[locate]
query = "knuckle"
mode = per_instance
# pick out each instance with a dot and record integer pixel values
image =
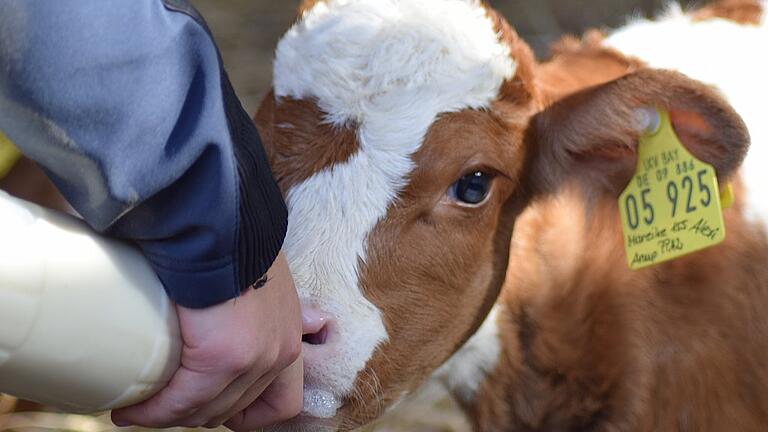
(269, 357)
(240, 362)
(179, 409)
(289, 354)
(275, 357)
(210, 358)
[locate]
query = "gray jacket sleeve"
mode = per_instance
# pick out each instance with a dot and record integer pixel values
(126, 106)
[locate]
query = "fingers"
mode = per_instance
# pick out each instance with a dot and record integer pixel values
(187, 391)
(232, 352)
(282, 401)
(234, 399)
(238, 406)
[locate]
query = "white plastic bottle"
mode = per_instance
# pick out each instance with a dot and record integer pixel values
(84, 322)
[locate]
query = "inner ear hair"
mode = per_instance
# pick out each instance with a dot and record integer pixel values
(592, 135)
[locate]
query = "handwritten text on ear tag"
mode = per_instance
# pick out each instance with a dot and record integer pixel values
(672, 205)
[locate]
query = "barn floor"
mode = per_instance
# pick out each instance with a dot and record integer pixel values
(432, 413)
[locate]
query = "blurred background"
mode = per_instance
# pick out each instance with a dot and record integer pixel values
(247, 32)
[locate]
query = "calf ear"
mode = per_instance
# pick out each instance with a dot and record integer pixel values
(592, 136)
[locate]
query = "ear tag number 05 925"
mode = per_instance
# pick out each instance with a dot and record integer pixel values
(672, 205)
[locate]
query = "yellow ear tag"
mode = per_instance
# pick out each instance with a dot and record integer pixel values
(672, 205)
(9, 155)
(726, 197)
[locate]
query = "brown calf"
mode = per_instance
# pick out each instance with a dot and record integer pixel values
(407, 136)
(586, 344)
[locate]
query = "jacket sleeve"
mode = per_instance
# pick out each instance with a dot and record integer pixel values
(126, 106)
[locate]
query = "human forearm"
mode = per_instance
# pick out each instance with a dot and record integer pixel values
(125, 105)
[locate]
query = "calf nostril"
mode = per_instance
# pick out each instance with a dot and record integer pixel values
(317, 338)
(316, 326)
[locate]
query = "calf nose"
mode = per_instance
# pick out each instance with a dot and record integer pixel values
(318, 327)
(320, 346)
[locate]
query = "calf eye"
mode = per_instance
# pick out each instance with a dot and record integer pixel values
(471, 189)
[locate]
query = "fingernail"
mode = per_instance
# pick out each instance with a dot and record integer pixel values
(120, 422)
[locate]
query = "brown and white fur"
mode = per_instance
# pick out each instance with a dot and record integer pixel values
(583, 343)
(429, 267)
(377, 109)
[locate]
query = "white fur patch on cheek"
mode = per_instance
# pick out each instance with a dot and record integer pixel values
(469, 367)
(326, 237)
(389, 68)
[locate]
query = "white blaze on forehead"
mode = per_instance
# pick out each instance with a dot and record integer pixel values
(388, 68)
(721, 53)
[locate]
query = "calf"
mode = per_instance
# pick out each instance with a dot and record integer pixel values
(407, 136)
(579, 342)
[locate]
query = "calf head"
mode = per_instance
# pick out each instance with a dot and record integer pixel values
(584, 342)
(561, 354)
(395, 131)
(407, 136)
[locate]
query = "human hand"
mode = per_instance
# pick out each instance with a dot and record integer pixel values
(240, 362)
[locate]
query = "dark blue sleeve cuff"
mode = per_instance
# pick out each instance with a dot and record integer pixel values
(262, 222)
(192, 287)
(262, 212)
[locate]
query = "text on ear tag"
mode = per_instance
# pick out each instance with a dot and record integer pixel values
(672, 205)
